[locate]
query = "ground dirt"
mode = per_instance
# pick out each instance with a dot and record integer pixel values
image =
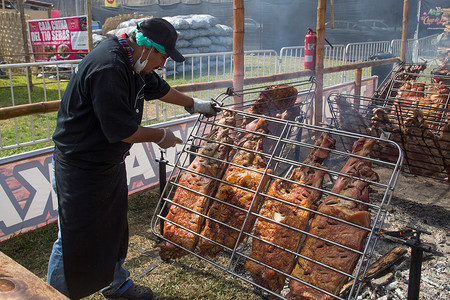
(422, 203)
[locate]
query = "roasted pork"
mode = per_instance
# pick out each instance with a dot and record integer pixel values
(189, 206)
(421, 147)
(272, 234)
(236, 194)
(352, 183)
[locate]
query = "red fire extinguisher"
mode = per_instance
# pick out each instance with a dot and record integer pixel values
(310, 50)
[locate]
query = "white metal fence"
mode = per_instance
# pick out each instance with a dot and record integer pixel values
(41, 82)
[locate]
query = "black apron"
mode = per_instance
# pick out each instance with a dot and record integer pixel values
(93, 203)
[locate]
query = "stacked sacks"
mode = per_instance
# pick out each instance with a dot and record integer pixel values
(196, 34)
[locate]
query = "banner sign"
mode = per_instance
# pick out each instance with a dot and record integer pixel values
(110, 3)
(430, 17)
(27, 199)
(60, 38)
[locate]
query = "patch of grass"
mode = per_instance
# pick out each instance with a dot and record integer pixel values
(32, 249)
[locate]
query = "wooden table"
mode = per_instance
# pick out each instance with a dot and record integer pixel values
(16, 282)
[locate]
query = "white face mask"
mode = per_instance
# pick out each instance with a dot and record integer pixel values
(138, 65)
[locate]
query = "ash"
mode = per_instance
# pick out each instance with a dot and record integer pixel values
(422, 203)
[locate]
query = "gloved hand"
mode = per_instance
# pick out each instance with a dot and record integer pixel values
(208, 108)
(168, 140)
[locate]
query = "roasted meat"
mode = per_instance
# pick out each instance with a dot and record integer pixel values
(354, 185)
(421, 147)
(277, 101)
(236, 194)
(381, 124)
(350, 119)
(201, 180)
(402, 74)
(272, 233)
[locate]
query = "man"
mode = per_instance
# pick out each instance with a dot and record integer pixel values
(98, 121)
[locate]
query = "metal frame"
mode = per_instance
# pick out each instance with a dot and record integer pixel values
(400, 108)
(281, 160)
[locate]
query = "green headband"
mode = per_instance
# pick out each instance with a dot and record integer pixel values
(142, 40)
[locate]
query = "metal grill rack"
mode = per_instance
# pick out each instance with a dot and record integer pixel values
(400, 72)
(290, 149)
(417, 120)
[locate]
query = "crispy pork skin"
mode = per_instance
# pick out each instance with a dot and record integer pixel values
(241, 180)
(201, 178)
(275, 99)
(382, 124)
(321, 250)
(290, 213)
(421, 147)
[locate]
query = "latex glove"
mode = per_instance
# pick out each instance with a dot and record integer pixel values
(168, 140)
(208, 108)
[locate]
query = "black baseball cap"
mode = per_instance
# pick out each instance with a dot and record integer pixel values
(162, 32)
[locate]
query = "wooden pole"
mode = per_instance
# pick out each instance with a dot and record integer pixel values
(89, 23)
(404, 44)
(358, 77)
(3, 5)
(332, 14)
(320, 48)
(25, 39)
(238, 49)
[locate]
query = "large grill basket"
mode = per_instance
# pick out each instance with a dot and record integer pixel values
(291, 148)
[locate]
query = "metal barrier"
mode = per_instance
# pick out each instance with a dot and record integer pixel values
(208, 67)
(410, 57)
(52, 78)
(292, 60)
(427, 47)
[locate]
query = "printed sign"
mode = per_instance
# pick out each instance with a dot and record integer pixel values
(60, 38)
(110, 3)
(431, 13)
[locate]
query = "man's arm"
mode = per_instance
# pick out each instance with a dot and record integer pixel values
(178, 98)
(163, 137)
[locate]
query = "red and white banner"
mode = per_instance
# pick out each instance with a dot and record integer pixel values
(60, 38)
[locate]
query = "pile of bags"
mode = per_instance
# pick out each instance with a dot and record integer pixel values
(196, 34)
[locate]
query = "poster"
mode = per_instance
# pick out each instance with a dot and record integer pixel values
(430, 17)
(110, 3)
(60, 38)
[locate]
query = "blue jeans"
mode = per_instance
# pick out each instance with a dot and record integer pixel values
(55, 272)
(56, 278)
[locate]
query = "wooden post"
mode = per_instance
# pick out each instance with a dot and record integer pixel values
(320, 47)
(332, 14)
(89, 23)
(25, 39)
(3, 5)
(238, 49)
(358, 77)
(404, 44)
